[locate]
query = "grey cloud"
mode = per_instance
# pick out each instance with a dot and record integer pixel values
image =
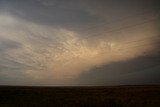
(57, 38)
(84, 16)
(6, 45)
(63, 14)
(141, 70)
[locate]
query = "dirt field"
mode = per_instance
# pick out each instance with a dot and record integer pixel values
(118, 96)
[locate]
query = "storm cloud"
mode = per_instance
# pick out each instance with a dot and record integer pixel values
(79, 42)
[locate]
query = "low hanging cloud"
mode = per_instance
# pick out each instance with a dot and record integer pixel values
(52, 42)
(46, 53)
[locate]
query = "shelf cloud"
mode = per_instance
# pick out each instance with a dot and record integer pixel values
(51, 42)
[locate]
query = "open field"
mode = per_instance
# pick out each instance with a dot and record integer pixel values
(118, 96)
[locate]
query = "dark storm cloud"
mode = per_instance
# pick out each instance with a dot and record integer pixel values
(141, 70)
(79, 42)
(57, 13)
(81, 15)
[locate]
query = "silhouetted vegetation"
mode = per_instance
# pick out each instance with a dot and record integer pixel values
(119, 96)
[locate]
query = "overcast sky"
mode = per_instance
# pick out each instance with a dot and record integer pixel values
(79, 42)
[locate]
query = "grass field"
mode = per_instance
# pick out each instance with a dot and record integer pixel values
(116, 96)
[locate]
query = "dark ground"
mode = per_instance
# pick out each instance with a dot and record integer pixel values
(118, 96)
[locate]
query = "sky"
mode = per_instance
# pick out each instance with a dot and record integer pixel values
(79, 42)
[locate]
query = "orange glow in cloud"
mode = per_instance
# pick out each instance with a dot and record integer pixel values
(58, 54)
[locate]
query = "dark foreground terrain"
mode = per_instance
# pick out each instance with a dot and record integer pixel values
(119, 96)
